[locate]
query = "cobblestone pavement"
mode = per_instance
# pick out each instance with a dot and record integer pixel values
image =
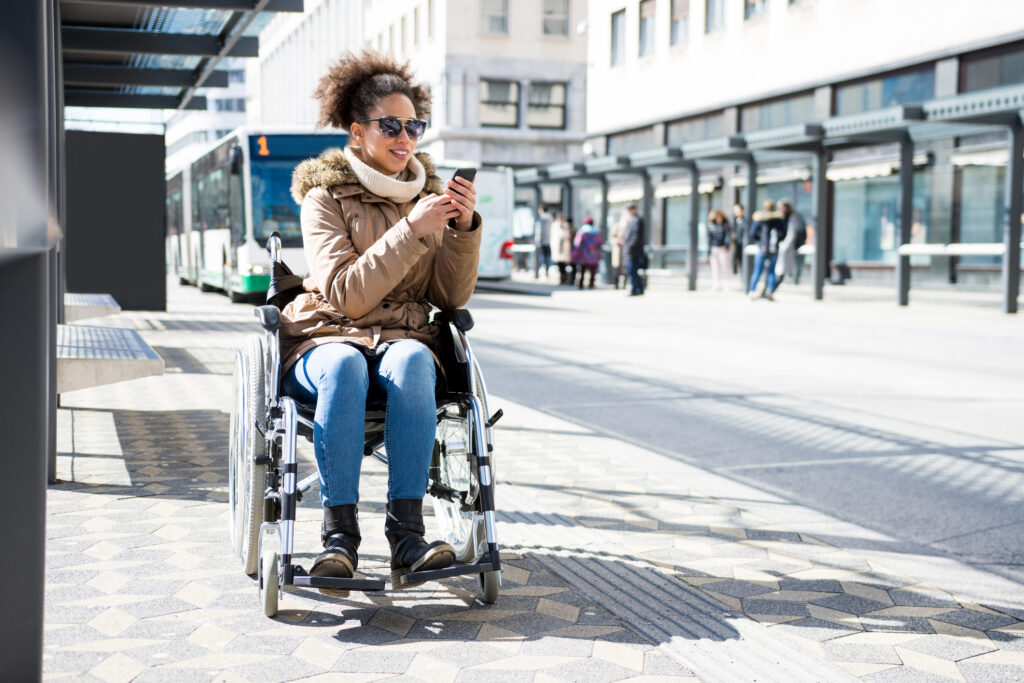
(619, 563)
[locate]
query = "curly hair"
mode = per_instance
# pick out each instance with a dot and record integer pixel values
(354, 84)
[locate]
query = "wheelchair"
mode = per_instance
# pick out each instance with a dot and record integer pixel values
(263, 472)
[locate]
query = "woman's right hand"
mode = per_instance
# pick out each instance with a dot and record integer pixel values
(431, 214)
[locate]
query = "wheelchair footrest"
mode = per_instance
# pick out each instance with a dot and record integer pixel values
(301, 578)
(481, 566)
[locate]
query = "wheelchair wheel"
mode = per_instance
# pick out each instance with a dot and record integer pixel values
(452, 452)
(270, 588)
(246, 479)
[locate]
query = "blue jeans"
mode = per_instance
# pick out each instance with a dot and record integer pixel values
(762, 262)
(339, 379)
(636, 283)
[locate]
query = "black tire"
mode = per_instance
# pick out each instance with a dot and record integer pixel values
(246, 479)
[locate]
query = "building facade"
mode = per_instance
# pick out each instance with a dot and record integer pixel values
(508, 79)
(670, 72)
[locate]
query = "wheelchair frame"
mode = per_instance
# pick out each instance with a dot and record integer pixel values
(282, 419)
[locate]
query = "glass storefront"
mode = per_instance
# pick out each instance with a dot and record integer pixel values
(867, 217)
(982, 207)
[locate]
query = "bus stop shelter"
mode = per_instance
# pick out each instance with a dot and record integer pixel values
(154, 54)
(904, 126)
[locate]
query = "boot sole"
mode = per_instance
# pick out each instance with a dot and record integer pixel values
(436, 558)
(337, 567)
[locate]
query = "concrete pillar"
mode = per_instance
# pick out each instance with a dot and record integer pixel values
(609, 276)
(906, 218)
(1011, 259)
(747, 266)
(538, 195)
(691, 250)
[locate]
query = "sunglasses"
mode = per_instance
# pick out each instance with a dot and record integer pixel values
(391, 126)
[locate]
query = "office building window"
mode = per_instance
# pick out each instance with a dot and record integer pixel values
(694, 129)
(546, 105)
(236, 76)
(619, 37)
(499, 104)
(405, 45)
(646, 27)
(631, 141)
(430, 18)
(494, 16)
(416, 27)
(556, 17)
(784, 112)
(879, 93)
(680, 21)
(992, 70)
(754, 8)
(229, 104)
(714, 15)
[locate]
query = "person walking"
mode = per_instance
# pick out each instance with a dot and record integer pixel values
(562, 234)
(616, 238)
(586, 252)
(739, 235)
(718, 233)
(785, 265)
(633, 248)
(767, 231)
(542, 240)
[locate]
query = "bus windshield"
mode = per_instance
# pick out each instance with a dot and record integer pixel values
(272, 160)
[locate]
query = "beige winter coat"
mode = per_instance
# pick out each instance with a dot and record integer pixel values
(370, 279)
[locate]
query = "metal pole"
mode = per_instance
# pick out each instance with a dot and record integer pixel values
(1011, 259)
(691, 251)
(749, 217)
(609, 276)
(906, 218)
(538, 196)
(647, 207)
(820, 207)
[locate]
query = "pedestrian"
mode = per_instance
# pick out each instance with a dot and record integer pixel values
(797, 227)
(562, 234)
(739, 237)
(586, 252)
(767, 231)
(542, 240)
(616, 237)
(786, 263)
(384, 238)
(633, 249)
(719, 234)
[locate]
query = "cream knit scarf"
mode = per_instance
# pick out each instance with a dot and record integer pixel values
(398, 191)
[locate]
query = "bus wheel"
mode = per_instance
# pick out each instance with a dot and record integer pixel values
(203, 287)
(237, 297)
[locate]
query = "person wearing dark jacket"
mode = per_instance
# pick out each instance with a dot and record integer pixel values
(767, 231)
(633, 246)
(718, 243)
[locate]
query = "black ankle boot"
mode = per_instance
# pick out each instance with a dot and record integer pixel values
(404, 530)
(340, 536)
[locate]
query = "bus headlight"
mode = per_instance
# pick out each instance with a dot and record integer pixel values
(257, 270)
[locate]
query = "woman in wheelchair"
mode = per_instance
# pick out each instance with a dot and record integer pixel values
(384, 240)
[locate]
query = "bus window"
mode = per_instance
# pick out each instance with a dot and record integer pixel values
(272, 205)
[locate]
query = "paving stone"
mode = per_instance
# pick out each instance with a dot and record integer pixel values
(590, 670)
(853, 652)
(905, 674)
(738, 589)
(903, 596)
(787, 608)
(895, 623)
(946, 647)
(979, 621)
(990, 673)
(851, 604)
(492, 675)
(659, 664)
(814, 629)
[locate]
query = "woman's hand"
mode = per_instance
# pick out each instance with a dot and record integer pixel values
(431, 214)
(463, 196)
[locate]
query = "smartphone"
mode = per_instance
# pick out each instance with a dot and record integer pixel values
(467, 173)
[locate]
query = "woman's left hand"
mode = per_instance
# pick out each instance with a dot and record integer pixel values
(463, 195)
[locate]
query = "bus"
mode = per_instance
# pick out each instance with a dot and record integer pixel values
(222, 208)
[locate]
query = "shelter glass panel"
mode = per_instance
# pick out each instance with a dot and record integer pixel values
(982, 208)
(867, 217)
(499, 104)
(879, 93)
(680, 27)
(981, 73)
(788, 111)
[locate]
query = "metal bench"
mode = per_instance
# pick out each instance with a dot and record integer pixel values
(955, 249)
(91, 356)
(83, 306)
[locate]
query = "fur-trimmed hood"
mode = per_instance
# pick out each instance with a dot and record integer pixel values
(332, 169)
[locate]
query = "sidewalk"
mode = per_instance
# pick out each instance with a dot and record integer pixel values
(619, 562)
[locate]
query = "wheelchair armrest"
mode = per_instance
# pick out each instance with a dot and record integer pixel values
(460, 317)
(270, 317)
